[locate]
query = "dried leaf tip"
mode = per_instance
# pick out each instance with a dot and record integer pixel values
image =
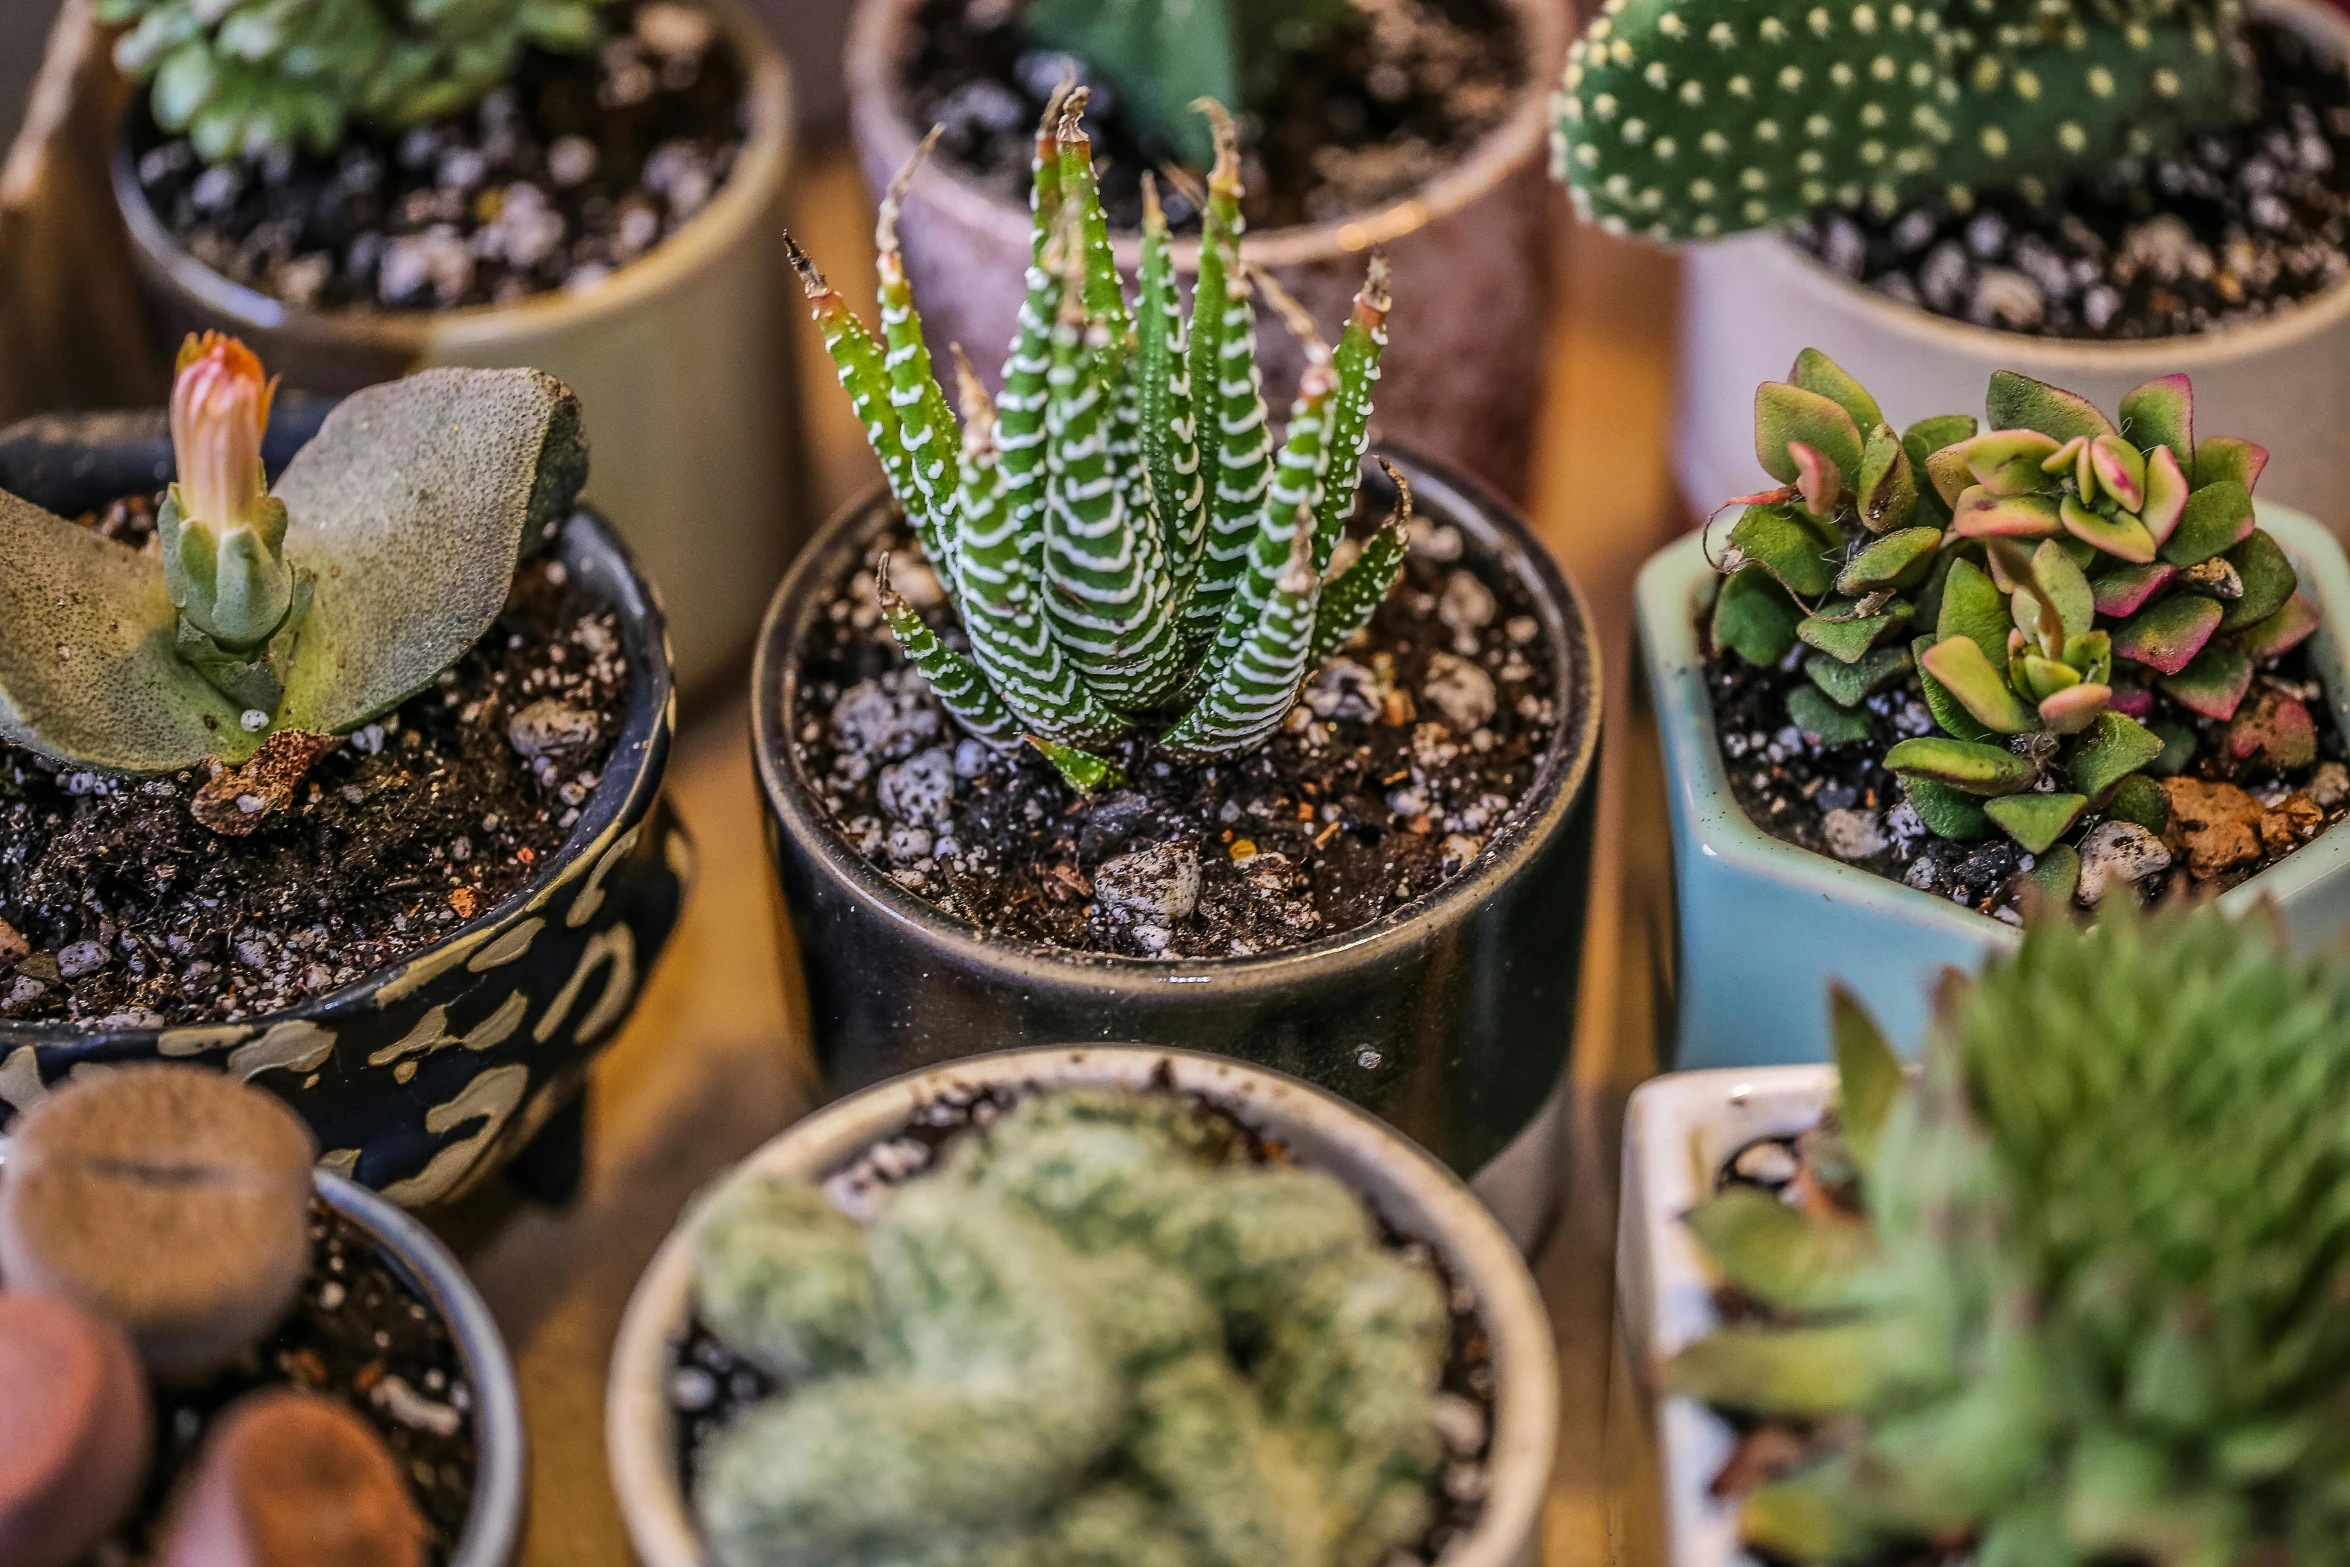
(976, 406)
(1186, 184)
(883, 593)
(1154, 217)
(812, 281)
(1374, 298)
(1403, 495)
(1225, 175)
(893, 201)
(1294, 316)
(1069, 131)
(1297, 573)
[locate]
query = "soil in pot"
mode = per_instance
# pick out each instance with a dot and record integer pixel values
(578, 165)
(710, 1384)
(1409, 751)
(1397, 96)
(362, 1334)
(2234, 226)
(118, 907)
(2231, 817)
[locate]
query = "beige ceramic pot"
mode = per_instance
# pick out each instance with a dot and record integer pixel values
(1404, 1186)
(679, 360)
(1750, 304)
(1471, 252)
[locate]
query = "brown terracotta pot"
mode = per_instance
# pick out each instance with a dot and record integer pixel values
(1471, 252)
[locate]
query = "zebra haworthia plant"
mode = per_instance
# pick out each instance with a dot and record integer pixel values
(2045, 578)
(1119, 531)
(272, 620)
(1686, 119)
(2070, 1295)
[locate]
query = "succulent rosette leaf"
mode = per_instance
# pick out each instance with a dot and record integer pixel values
(2073, 1295)
(1122, 538)
(385, 550)
(2043, 572)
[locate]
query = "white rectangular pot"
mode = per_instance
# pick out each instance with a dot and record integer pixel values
(1762, 927)
(1678, 1132)
(1750, 304)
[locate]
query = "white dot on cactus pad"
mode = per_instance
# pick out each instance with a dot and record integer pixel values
(1864, 19)
(1722, 35)
(1791, 78)
(1820, 21)
(253, 720)
(2101, 81)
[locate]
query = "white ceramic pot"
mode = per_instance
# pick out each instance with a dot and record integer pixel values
(1750, 304)
(1409, 1190)
(1678, 1132)
(679, 359)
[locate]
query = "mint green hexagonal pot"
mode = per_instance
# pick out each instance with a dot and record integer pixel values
(1762, 927)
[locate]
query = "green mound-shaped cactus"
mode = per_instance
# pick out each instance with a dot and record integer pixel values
(2089, 1308)
(1117, 529)
(1687, 119)
(2044, 578)
(1089, 1336)
(385, 550)
(245, 76)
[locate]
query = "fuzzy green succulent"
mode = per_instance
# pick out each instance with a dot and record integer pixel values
(1163, 56)
(245, 76)
(1687, 119)
(272, 620)
(1091, 1337)
(1117, 529)
(2043, 578)
(2089, 1308)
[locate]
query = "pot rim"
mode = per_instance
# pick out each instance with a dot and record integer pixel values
(739, 209)
(631, 778)
(1385, 1170)
(2061, 356)
(878, 33)
(1667, 603)
(1567, 771)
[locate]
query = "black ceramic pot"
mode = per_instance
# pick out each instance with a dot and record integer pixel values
(420, 1079)
(1452, 1018)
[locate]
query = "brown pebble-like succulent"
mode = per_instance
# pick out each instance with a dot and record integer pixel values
(293, 1479)
(75, 1430)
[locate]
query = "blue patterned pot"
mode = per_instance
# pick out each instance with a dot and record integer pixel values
(1762, 927)
(422, 1078)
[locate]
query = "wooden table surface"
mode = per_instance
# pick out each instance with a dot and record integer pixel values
(712, 1065)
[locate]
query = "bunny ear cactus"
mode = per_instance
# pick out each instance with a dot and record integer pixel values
(1688, 119)
(1118, 530)
(2078, 1311)
(385, 551)
(2043, 578)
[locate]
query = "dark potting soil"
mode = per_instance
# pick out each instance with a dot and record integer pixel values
(117, 907)
(1410, 751)
(1399, 94)
(709, 1384)
(577, 166)
(1839, 800)
(360, 1333)
(2232, 226)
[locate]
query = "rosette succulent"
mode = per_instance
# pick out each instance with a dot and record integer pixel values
(272, 620)
(2073, 1294)
(1687, 119)
(1096, 1334)
(246, 76)
(2044, 577)
(1118, 529)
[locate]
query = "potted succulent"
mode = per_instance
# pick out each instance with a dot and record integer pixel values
(215, 1354)
(1030, 723)
(589, 187)
(349, 786)
(1416, 129)
(2089, 194)
(1341, 1355)
(1938, 669)
(2045, 1300)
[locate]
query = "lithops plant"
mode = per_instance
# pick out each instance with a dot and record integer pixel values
(1096, 1334)
(2044, 578)
(273, 621)
(2084, 1306)
(1686, 119)
(1118, 530)
(247, 76)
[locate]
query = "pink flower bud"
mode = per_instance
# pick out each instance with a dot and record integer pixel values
(219, 407)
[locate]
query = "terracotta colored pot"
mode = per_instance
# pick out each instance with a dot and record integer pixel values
(1471, 251)
(679, 359)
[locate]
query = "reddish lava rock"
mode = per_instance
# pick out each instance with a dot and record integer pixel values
(75, 1430)
(291, 1479)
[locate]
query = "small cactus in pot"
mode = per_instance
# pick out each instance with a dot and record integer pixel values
(1123, 538)
(2066, 1295)
(2042, 580)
